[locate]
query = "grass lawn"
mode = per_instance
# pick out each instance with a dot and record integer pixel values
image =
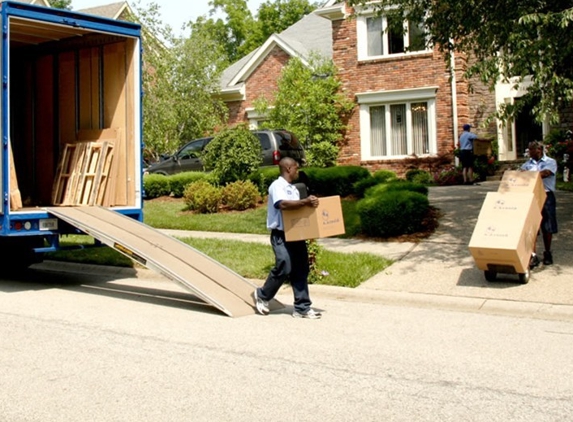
(249, 259)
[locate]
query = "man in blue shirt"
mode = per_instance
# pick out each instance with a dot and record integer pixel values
(547, 167)
(467, 154)
(291, 258)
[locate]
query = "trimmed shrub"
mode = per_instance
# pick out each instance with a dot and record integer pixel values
(240, 195)
(263, 177)
(155, 185)
(380, 176)
(322, 154)
(392, 213)
(179, 182)
(396, 185)
(419, 176)
(335, 180)
(203, 197)
(233, 154)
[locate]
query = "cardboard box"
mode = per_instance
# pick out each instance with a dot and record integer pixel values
(510, 206)
(482, 147)
(523, 182)
(506, 238)
(313, 223)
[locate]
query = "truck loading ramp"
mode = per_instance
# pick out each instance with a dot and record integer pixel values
(206, 278)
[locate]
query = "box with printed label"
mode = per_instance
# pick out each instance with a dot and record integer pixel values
(523, 182)
(313, 223)
(506, 238)
(513, 206)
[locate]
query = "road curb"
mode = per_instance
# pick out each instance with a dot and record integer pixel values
(536, 310)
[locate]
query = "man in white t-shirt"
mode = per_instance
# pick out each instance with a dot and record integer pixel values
(291, 258)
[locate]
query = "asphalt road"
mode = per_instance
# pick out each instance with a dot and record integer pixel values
(79, 348)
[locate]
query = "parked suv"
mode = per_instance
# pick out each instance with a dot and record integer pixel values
(275, 144)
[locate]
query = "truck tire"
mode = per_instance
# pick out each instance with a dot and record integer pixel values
(18, 253)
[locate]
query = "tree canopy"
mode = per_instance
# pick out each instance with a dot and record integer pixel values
(239, 32)
(510, 41)
(309, 103)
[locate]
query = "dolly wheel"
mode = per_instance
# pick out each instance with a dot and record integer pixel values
(490, 275)
(524, 278)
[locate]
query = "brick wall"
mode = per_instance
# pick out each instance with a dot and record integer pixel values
(261, 83)
(405, 72)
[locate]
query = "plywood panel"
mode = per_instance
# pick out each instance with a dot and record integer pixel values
(67, 98)
(43, 152)
(114, 64)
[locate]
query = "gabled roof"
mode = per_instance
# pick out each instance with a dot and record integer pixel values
(111, 11)
(311, 34)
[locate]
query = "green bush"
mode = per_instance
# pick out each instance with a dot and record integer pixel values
(203, 197)
(392, 213)
(155, 185)
(179, 182)
(380, 176)
(263, 177)
(240, 195)
(419, 176)
(335, 180)
(396, 185)
(233, 155)
(322, 154)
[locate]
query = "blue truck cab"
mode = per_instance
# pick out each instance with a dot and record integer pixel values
(70, 124)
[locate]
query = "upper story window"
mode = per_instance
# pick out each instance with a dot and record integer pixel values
(383, 36)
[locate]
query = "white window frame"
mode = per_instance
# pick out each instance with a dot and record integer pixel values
(362, 39)
(387, 98)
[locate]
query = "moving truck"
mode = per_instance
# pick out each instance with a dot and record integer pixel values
(71, 154)
(70, 124)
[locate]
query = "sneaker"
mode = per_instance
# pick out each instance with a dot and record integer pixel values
(533, 261)
(310, 314)
(262, 305)
(547, 258)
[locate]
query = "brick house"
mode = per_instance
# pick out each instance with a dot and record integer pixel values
(256, 75)
(407, 101)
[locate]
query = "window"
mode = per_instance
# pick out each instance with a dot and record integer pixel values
(397, 124)
(386, 35)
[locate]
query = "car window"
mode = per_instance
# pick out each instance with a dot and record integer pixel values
(287, 139)
(191, 150)
(265, 140)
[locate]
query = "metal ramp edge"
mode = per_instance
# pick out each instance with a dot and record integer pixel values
(206, 278)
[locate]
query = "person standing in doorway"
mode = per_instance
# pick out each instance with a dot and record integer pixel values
(467, 154)
(291, 258)
(547, 167)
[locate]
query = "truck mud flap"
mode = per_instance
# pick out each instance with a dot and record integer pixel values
(204, 277)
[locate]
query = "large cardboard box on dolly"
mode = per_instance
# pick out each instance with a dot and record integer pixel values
(523, 182)
(506, 231)
(312, 223)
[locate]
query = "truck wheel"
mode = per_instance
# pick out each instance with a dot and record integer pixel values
(490, 275)
(524, 278)
(19, 254)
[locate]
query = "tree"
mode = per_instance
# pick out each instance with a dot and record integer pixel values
(510, 41)
(179, 78)
(61, 4)
(309, 102)
(273, 17)
(239, 33)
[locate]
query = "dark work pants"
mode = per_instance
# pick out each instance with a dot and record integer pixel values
(291, 261)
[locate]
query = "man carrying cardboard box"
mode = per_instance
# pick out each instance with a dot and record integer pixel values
(547, 167)
(291, 258)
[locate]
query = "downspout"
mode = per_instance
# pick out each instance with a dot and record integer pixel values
(454, 100)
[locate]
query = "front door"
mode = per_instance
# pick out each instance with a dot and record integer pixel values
(526, 129)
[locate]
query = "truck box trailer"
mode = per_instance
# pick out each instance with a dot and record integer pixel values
(71, 154)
